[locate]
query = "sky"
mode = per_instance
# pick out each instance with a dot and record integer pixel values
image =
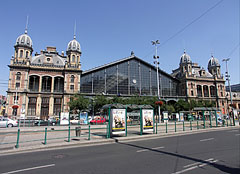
(108, 30)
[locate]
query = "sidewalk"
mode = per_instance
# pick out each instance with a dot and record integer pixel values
(33, 138)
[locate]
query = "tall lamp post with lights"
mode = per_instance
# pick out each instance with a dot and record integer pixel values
(156, 58)
(229, 86)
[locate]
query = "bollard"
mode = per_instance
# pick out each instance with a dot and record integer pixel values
(210, 121)
(230, 122)
(39, 122)
(45, 138)
(156, 126)
(166, 128)
(6, 124)
(141, 126)
(183, 126)
(204, 125)
(18, 135)
(190, 125)
(175, 126)
(89, 132)
(69, 133)
(197, 125)
(227, 123)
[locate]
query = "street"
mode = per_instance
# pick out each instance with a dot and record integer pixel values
(207, 152)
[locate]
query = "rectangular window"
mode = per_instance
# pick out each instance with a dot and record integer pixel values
(17, 85)
(72, 87)
(57, 106)
(32, 106)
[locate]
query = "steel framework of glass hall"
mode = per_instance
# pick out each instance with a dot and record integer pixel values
(130, 76)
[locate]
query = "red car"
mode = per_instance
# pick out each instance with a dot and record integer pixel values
(98, 121)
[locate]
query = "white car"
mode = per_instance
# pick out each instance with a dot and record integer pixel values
(7, 122)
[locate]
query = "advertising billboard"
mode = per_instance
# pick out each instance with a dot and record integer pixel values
(118, 121)
(64, 118)
(147, 115)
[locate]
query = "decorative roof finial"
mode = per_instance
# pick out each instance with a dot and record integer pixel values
(74, 37)
(184, 51)
(211, 54)
(26, 26)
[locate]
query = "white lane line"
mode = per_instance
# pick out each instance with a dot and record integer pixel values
(237, 134)
(154, 148)
(144, 150)
(189, 165)
(234, 131)
(194, 167)
(207, 139)
(27, 169)
(158, 148)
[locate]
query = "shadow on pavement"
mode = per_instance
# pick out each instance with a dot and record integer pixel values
(221, 167)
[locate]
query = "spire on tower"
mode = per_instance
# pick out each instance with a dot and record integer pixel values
(74, 37)
(26, 26)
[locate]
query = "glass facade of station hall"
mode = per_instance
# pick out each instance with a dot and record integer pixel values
(129, 76)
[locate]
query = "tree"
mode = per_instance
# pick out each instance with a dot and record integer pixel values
(78, 102)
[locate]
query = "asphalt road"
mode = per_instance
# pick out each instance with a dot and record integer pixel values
(209, 152)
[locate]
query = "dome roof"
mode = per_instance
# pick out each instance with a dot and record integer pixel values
(213, 62)
(24, 40)
(74, 45)
(185, 58)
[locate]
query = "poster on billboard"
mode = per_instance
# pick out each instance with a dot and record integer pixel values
(165, 117)
(84, 118)
(118, 121)
(147, 121)
(64, 118)
(219, 114)
(181, 116)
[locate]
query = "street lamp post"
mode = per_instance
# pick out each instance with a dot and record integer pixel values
(156, 57)
(229, 86)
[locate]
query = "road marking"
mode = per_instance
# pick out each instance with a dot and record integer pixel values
(154, 148)
(158, 148)
(195, 167)
(144, 150)
(237, 134)
(189, 165)
(207, 139)
(27, 169)
(234, 131)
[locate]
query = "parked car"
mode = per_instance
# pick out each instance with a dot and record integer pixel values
(7, 122)
(51, 122)
(98, 121)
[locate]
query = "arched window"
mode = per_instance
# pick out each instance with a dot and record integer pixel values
(27, 54)
(21, 53)
(212, 91)
(199, 90)
(78, 60)
(72, 78)
(18, 76)
(205, 91)
(73, 58)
